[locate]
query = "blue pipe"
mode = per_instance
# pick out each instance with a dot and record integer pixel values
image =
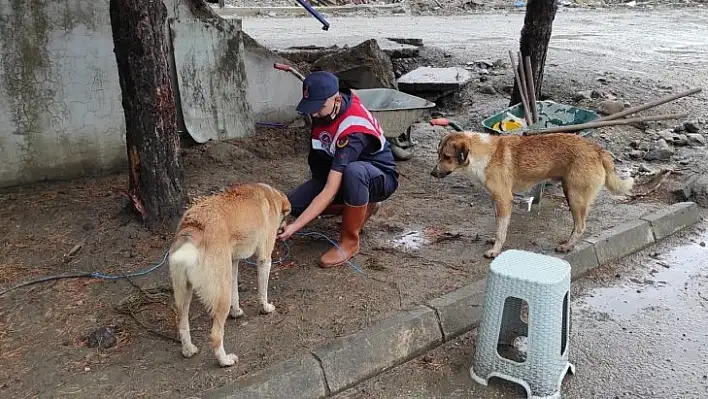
(314, 13)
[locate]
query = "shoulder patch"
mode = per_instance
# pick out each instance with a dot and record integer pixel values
(342, 142)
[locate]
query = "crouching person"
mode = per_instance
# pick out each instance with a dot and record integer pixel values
(352, 165)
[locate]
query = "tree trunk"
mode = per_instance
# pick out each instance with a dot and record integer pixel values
(535, 36)
(156, 174)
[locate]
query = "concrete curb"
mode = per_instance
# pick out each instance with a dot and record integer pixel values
(355, 358)
(239, 12)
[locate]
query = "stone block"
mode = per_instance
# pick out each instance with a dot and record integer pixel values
(387, 344)
(461, 310)
(622, 240)
(672, 219)
(300, 377)
(429, 79)
(582, 259)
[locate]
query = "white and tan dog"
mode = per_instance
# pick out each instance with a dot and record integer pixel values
(236, 224)
(510, 163)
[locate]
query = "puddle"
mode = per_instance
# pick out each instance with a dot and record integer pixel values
(411, 240)
(663, 286)
(414, 239)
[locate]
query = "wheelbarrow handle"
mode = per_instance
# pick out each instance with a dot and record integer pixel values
(288, 68)
(446, 122)
(439, 122)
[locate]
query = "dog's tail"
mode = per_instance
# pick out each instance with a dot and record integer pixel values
(184, 256)
(194, 267)
(612, 181)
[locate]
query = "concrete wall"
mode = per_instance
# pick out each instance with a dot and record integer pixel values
(272, 94)
(60, 101)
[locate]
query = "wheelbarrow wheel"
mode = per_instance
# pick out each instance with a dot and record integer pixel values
(400, 154)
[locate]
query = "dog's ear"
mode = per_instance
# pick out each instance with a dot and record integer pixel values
(442, 142)
(462, 151)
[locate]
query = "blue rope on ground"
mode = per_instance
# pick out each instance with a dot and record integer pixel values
(309, 234)
(162, 262)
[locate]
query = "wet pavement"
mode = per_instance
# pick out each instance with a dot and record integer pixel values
(639, 330)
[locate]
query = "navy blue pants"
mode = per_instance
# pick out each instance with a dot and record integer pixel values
(361, 183)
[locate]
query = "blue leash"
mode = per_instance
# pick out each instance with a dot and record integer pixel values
(311, 234)
(162, 262)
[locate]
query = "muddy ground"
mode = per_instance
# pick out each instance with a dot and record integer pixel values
(428, 239)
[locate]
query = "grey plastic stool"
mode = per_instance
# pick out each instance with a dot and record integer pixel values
(543, 282)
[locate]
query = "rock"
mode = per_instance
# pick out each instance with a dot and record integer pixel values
(364, 66)
(679, 129)
(609, 107)
(691, 127)
(644, 146)
(429, 79)
(683, 192)
(104, 337)
(645, 169)
(681, 140)
(635, 144)
(660, 151)
(499, 63)
(582, 96)
(483, 72)
(696, 139)
(668, 136)
(699, 191)
(487, 89)
(636, 154)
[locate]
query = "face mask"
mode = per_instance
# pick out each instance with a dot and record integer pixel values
(328, 118)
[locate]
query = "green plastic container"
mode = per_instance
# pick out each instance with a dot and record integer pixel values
(550, 114)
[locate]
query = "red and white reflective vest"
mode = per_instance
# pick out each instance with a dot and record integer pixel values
(356, 119)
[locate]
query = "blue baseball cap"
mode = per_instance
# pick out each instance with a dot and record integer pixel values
(316, 89)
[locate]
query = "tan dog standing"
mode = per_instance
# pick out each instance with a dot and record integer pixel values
(236, 224)
(510, 163)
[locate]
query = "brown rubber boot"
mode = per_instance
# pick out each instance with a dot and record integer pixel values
(353, 219)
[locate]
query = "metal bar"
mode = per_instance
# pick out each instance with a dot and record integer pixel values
(314, 13)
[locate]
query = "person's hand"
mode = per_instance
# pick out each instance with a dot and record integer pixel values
(287, 232)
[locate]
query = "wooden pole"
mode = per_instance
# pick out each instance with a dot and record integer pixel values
(531, 89)
(521, 85)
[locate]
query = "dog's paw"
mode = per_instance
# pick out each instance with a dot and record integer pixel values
(491, 254)
(236, 313)
(268, 308)
(229, 360)
(565, 247)
(189, 350)
(491, 241)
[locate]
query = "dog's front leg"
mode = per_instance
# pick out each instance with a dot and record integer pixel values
(263, 275)
(503, 204)
(236, 310)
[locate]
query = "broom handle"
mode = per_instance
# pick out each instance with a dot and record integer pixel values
(596, 123)
(648, 105)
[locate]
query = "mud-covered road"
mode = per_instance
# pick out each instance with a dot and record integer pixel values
(639, 330)
(665, 45)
